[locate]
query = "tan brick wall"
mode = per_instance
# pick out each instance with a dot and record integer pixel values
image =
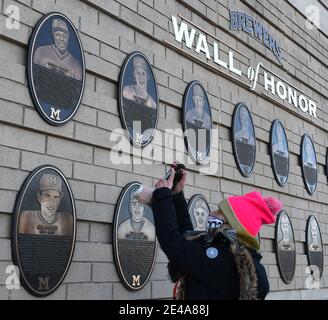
(110, 30)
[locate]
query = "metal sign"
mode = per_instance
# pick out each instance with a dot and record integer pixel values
(241, 21)
(194, 42)
(135, 241)
(56, 68)
(314, 247)
(199, 211)
(138, 99)
(309, 164)
(285, 247)
(44, 230)
(243, 139)
(279, 153)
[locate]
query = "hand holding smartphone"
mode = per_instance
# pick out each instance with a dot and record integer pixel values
(178, 167)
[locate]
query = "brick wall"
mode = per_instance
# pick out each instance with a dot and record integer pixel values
(110, 30)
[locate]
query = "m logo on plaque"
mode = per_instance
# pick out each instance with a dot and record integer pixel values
(197, 122)
(199, 211)
(56, 68)
(309, 164)
(243, 139)
(285, 247)
(44, 230)
(138, 99)
(279, 153)
(314, 247)
(134, 239)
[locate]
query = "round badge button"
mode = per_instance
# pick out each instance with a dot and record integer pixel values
(212, 252)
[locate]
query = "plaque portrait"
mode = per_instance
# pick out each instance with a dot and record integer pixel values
(314, 246)
(309, 164)
(44, 230)
(279, 153)
(285, 247)
(135, 241)
(56, 68)
(243, 139)
(138, 99)
(197, 122)
(199, 211)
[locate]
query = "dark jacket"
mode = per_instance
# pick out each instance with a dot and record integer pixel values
(206, 278)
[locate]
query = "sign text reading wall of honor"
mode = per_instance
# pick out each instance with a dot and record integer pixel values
(273, 85)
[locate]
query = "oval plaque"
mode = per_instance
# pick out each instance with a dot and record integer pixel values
(197, 122)
(135, 241)
(279, 153)
(44, 230)
(326, 168)
(309, 164)
(56, 68)
(138, 99)
(199, 211)
(285, 247)
(258, 238)
(243, 139)
(314, 247)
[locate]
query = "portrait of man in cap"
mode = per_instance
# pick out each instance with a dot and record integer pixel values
(244, 135)
(56, 55)
(46, 220)
(137, 227)
(199, 122)
(197, 115)
(280, 146)
(309, 154)
(309, 165)
(280, 153)
(139, 91)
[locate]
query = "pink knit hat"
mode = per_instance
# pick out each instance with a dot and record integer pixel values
(250, 211)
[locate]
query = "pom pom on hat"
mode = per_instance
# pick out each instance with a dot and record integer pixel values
(273, 204)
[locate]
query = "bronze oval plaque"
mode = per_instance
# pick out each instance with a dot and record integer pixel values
(138, 99)
(199, 211)
(135, 241)
(44, 230)
(56, 68)
(314, 247)
(197, 122)
(279, 153)
(309, 164)
(243, 139)
(285, 247)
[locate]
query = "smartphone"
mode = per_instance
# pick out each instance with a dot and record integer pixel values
(168, 174)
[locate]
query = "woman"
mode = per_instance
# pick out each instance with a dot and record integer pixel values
(221, 264)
